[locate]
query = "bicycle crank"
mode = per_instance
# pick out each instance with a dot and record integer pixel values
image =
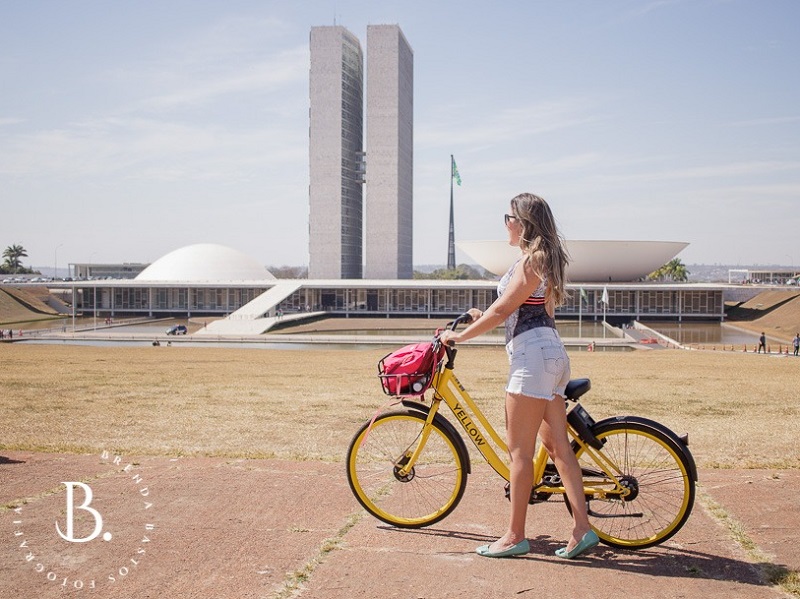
(537, 496)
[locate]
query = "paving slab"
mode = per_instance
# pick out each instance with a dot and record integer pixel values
(440, 561)
(221, 528)
(268, 528)
(766, 503)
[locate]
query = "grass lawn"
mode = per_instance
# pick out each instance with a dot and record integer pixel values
(740, 410)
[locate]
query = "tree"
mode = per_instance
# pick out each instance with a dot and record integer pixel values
(463, 272)
(289, 272)
(13, 255)
(674, 270)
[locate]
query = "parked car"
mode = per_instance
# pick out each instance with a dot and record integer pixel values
(177, 329)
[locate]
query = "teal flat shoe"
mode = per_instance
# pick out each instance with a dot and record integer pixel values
(520, 548)
(588, 541)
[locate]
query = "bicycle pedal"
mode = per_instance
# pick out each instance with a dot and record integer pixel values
(536, 497)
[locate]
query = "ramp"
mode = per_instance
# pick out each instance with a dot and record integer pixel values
(253, 318)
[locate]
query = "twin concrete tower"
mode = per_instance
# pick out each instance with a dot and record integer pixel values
(350, 238)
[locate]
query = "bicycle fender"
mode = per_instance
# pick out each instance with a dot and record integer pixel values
(446, 425)
(680, 444)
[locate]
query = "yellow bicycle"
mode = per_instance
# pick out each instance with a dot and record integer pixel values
(408, 466)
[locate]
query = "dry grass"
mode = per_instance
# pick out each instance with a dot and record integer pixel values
(739, 409)
(776, 313)
(12, 311)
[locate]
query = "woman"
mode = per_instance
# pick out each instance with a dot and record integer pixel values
(527, 297)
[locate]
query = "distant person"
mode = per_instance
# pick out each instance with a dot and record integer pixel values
(796, 343)
(762, 343)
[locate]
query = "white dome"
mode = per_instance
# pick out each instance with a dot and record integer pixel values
(205, 262)
(591, 261)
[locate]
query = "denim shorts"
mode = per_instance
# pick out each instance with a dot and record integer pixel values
(539, 364)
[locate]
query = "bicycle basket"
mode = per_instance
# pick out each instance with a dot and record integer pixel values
(410, 369)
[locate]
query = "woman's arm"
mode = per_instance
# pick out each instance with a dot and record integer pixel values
(522, 284)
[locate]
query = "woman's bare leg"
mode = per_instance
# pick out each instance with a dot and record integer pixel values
(554, 436)
(523, 418)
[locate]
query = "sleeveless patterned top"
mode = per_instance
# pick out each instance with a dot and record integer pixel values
(531, 314)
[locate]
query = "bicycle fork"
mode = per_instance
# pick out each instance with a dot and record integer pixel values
(404, 466)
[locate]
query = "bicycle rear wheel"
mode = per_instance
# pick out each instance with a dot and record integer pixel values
(653, 467)
(428, 493)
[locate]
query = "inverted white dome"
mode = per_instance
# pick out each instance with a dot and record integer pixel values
(591, 261)
(205, 262)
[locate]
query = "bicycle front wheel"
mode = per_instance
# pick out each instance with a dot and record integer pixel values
(653, 468)
(428, 492)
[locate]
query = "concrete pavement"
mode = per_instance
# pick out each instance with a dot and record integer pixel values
(218, 528)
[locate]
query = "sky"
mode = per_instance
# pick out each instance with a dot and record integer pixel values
(131, 129)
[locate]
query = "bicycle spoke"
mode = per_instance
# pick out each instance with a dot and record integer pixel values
(660, 492)
(418, 495)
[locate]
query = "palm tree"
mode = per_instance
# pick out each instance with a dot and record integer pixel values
(677, 271)
(13, 255)
(674, 270)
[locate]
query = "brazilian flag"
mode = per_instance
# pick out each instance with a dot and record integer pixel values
(455, 175)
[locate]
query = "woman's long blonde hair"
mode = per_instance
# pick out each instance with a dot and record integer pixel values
(542, 244)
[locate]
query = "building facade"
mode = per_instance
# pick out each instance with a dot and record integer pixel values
(336, 123)
(373, 298)
(106, 271)
(389, 154)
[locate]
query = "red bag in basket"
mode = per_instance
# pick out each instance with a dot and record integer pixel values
(409, 370)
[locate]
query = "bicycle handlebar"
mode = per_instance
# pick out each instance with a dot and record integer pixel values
(465, 318)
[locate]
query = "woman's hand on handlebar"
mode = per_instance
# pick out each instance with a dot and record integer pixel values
(449, 336)
(475, 314)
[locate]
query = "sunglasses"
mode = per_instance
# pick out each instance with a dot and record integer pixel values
(509, 217)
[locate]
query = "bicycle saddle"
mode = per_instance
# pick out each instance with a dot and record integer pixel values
(577, 387)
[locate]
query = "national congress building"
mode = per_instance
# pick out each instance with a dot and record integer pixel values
(350, 236)
(360, 227)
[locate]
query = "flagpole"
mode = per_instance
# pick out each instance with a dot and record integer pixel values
(451, 242)
(580, 313)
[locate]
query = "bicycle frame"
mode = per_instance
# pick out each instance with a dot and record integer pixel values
(448, 388)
